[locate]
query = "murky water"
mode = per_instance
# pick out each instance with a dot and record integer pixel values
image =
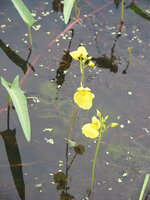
(122, 90)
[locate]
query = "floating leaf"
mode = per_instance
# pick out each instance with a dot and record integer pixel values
(24, 12)
(20, 104)
(68, 4)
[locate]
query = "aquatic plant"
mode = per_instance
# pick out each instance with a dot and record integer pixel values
(144, 187)
(68, 5)
(19, 101)
(25, 15)
(83, 96)
(95, 129)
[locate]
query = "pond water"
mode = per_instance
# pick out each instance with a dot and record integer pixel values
(122, 91)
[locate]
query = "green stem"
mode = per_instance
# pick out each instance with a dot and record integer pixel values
(71, 122)
(82, 73)
(8, 113)
(30, 38)
(95, 156)
(75, 9)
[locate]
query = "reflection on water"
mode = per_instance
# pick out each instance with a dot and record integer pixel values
(138, 11)
(13, 155)
(57, 5)
(15, 58)
(60, 178)
(106, 62)
(64, 64)
(14, 158)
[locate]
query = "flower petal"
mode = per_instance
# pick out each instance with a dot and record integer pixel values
(89, 131)
(83, 98)
(91, 64)
(82, 51)
(75, 55)
(95, 123)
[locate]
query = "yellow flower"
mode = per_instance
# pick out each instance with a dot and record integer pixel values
(81, 52)
(91, 129)
(91, 64)
(113, 124)
(83, 98)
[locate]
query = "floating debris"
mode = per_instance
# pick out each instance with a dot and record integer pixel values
(47, 129)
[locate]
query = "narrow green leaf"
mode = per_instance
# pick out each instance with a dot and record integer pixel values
(24, 12)
(68, 4)
(144, 186)
(20, 104)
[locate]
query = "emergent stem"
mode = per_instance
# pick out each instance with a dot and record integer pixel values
(82, 73)
(71, 121)
(30, 38)
(122, 5)
(75, 9)
(95, 156)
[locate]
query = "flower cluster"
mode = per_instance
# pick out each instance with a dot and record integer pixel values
(94, 129)
(83, 96)
(81, 54)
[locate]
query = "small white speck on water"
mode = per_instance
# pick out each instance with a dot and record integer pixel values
(48, 33)
(125, 174)
(59, 86)
(110, 189)
(9, 20)
(51, 174)
(119, 180)
(4, 69)
(37, 27)
(38, 185)
(36, 75)
(146, 130)
(3, 25)
(52, 70)
(33, 14)
(50, 141)
(58, 44)
(129, 93)
(122, 126)
(128, 121)
(47, 129)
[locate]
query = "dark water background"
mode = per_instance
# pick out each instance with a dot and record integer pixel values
(121, 91)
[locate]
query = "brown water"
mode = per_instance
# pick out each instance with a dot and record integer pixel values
(122, 90)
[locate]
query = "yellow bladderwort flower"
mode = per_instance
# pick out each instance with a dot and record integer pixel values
(83, 98)
(81, 52)
(91, 130)
(91, 64)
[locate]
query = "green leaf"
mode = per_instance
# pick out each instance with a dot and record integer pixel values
(144, 186)
(24, 12)
(68, 4)
(20, 104)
